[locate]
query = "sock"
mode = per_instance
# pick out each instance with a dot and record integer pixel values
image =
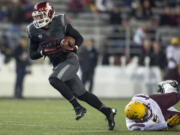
(74, 102)
(106, 110)
(92, 100)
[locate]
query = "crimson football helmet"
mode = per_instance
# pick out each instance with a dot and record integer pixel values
(42, 14)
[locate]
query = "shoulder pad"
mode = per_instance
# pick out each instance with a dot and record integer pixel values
(62, 18)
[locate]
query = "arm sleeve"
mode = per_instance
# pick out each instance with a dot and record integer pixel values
(155, 126)
(33, 50)
(148, 126)
(33, 46)
(70, 31)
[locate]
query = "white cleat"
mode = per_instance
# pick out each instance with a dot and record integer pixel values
(168, 86)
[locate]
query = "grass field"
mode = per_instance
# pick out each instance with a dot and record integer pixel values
(56, 117)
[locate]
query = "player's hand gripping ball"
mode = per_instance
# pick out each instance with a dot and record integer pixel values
(173, 121)
(68, 43)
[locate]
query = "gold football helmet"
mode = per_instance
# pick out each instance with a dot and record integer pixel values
(175, 41)
(135, 111)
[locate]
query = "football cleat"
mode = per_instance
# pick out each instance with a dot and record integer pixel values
(173, 83)
(110, 118)
(80, 111)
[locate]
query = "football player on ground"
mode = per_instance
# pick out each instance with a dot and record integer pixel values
(154, 112)
(47, 36)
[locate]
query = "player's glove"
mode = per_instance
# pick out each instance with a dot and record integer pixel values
(173, 121)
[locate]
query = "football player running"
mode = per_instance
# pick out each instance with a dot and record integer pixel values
(154, 112)
(46, 33)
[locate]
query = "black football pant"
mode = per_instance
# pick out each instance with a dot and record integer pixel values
(67, 82)
(66, 73)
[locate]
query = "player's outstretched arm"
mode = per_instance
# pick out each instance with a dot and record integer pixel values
(173, 121)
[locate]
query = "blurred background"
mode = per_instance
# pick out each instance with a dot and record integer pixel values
(129, 46)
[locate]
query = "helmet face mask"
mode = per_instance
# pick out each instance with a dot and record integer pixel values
(148, 114)
(40, 19)
(42, 14)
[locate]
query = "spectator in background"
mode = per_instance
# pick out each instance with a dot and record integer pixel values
(173, 57)
(115, 16)
(29, 5)
(175, 18)
(152, 29)
(165, 18)
(88, 58)
(16, 13)
(152, 58)
(3, 12)
(140, 35)
(105, 54)
(22, 61)
(127, 3)
(146, 52)
(75, 6)
(158, 58)
(147, 13)
(5, 49)
(104, 5)
(90, 6)
(16, 17)
(156, 55)
(137, 10)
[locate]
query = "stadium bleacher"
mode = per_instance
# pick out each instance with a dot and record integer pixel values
(99, 28)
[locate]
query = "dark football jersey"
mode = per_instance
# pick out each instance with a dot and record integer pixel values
(57, 30)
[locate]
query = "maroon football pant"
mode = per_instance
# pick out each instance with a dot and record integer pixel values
(166, 101)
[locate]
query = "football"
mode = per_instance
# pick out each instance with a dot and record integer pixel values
(68, 43)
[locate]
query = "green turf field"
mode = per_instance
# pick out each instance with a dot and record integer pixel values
(56, 117)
